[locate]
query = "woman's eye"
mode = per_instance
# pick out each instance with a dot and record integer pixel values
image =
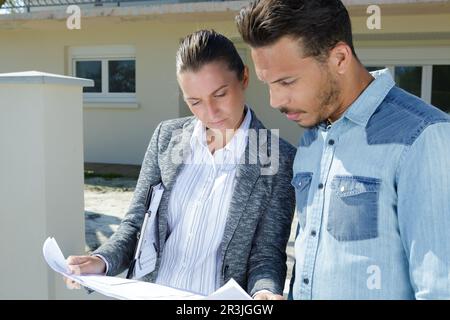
(220, 95)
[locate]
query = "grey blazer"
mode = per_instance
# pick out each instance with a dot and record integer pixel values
(253, 248)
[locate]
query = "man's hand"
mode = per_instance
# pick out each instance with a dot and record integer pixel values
(266, 295)
(83, 265)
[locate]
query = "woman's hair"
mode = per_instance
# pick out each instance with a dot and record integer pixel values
(206, 46)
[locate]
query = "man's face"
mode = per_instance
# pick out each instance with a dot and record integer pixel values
(302, 88)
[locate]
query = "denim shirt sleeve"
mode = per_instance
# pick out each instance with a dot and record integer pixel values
(423, 188)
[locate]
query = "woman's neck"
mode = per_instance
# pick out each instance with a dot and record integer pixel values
(217, 139)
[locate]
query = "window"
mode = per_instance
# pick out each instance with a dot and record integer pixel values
(374, 68)
(409, 78)
(440, 92)
(90, 70)
(423, 71)
(431, 83)
(113, 69)
(121, 75)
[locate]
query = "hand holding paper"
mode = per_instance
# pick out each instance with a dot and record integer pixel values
(133, 289)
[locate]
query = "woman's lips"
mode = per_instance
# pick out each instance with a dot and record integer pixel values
(218, 123)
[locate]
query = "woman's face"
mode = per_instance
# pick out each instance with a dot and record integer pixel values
(215, 95)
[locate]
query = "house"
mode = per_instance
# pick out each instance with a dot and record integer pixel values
(128, 48)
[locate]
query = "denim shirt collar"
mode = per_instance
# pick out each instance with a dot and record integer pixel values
(362, 109)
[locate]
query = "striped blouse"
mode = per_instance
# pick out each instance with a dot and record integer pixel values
(198, 210)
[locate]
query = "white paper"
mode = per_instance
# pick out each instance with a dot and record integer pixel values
(126, 289)
(146, 261)
(229, 291)
(146, 253)
(156, 198)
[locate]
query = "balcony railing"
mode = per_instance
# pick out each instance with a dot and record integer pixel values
(27, 5)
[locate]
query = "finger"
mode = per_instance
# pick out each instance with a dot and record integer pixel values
(261, 296)
(71, 284)
(276, 297)
(74, 260)
(66, 281)
(88, 267)
(74, 269)
(77, 264)
(91, 266)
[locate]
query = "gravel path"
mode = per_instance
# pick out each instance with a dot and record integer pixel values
(105, 203)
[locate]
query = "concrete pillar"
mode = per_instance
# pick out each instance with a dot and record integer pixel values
(41, 188)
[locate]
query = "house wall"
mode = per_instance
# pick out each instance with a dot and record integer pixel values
(121, 135)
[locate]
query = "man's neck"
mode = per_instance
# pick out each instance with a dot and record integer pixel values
(351, 89)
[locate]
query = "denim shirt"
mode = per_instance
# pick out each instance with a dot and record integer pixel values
(373, 201)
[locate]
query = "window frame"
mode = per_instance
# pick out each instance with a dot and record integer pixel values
(425, 57)
(104, 54)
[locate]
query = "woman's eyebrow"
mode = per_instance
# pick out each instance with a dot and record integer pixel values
(218, 89)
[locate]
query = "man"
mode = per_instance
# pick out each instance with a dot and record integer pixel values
(372, 170)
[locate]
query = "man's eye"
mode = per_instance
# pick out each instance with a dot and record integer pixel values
(194, 103)
(286, 83)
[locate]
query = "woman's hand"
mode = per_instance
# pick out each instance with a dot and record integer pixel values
(83, 265)
(266, 295)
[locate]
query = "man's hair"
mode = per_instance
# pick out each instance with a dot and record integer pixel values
(318, 24)
(206, 46)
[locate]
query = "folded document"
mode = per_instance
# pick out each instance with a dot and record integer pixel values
(126, 289)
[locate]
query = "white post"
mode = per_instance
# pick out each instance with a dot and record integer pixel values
(41, 172)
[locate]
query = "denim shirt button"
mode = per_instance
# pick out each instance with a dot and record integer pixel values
(306, 281)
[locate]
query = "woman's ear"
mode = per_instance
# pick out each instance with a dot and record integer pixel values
(245, 78)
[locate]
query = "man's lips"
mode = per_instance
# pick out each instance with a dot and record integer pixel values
(293, 115)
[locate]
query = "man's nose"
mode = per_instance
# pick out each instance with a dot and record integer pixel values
(278, 99)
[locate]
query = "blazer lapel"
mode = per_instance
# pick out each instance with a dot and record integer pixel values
(171, 164)
(247, 174)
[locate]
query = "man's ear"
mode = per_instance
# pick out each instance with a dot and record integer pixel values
(245, 78)
(340, 57)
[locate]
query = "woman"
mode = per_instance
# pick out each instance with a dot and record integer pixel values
(221, 216)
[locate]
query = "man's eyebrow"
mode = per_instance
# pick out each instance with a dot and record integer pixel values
(220, 88)
(281, 79)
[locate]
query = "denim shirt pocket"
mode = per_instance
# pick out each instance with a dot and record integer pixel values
(302, 183)
(353, 212)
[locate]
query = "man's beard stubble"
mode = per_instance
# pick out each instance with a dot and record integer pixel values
(328, 99)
